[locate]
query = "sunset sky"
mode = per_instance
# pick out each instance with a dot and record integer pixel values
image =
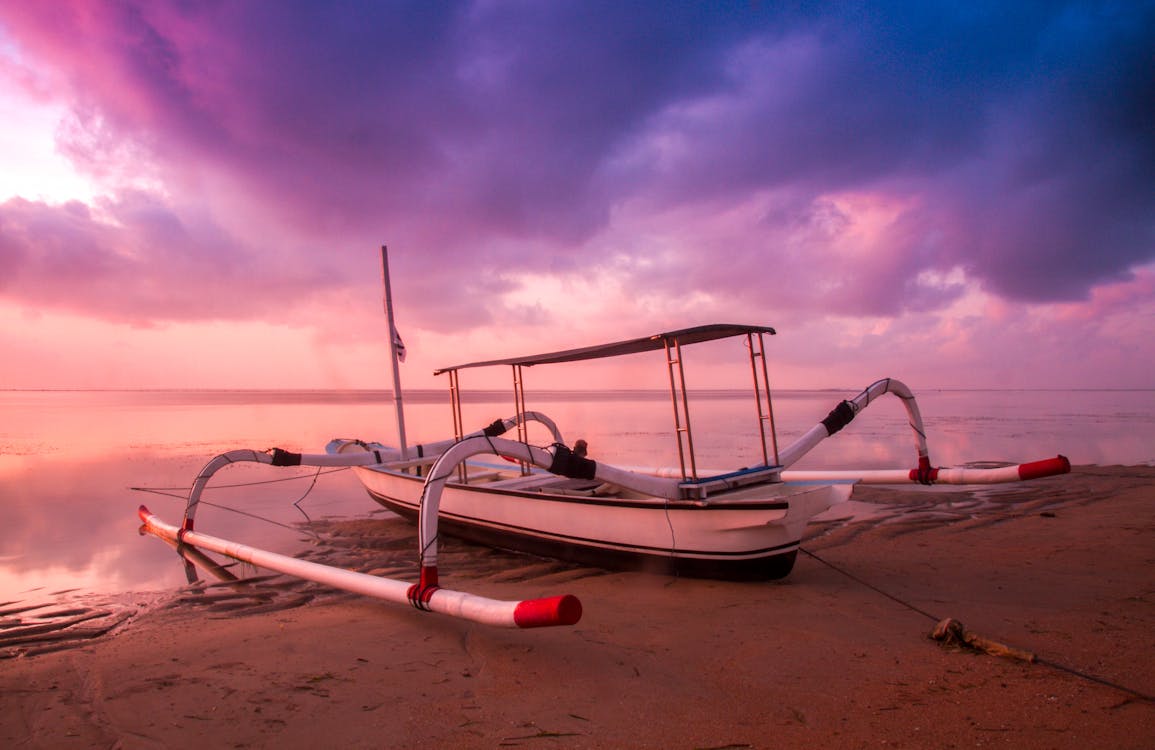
(194, 194)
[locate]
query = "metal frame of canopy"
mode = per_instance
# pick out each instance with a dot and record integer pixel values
(671, 343)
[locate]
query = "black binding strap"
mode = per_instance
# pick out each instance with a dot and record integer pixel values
(285, 458)
(566, 464)
(497, 428)
(838, 417)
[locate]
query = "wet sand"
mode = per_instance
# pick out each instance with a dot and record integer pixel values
(836, 655)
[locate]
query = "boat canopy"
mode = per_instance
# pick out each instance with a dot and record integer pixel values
(672, 342)
(695, 335)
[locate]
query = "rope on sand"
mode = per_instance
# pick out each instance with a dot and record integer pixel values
(950, 631)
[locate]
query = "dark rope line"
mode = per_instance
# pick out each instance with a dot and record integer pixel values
(160, 491)
(430, 543)
(253, 516)
(871, 397)
(1093, 678)
(670, 525)
(870, 586)
(164, 492)
(157, 490)
(301, 499)
(1041, 660)
(421, 506)
(298, 501)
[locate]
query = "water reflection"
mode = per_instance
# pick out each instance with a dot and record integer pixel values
(68, 459)
(71, 524)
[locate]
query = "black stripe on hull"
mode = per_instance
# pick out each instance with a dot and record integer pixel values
(613, 502)
(768, 565)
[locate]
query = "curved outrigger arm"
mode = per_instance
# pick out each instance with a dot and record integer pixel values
(560, 461)
(371, 454)
(842, 414)
(924, 473)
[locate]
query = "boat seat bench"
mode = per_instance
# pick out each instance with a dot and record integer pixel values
(701, 488)
(566, 486)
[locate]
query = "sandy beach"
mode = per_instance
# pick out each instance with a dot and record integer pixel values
(836, 655)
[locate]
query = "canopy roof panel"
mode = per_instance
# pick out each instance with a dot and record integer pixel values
(695, 335)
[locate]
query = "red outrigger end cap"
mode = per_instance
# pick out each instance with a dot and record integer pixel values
(1045, 468)
(540, 613)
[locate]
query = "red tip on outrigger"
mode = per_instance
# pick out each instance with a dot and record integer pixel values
(1048, 467)
(555, 610)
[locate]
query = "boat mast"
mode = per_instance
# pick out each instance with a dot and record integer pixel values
(397, 402)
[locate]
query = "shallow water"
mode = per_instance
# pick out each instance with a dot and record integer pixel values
(69, 460)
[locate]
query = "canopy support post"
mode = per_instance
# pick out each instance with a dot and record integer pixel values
(519, 409)
(458, 420)
(681, 403)
(762, 388)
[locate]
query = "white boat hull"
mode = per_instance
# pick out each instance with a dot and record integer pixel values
(751, 533)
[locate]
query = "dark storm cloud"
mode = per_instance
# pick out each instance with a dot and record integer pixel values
(503, 137)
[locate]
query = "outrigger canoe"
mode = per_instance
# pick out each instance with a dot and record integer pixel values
(744, 523)
(553, 500)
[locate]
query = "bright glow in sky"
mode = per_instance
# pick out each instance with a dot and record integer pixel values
(194, 194)
(32, 166)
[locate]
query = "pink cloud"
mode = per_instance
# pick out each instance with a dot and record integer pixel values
(254, 156)
(134, 260)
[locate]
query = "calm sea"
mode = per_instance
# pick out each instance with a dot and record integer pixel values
(69, 460)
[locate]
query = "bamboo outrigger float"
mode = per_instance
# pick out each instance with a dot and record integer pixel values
(532, 613)
(737, 524)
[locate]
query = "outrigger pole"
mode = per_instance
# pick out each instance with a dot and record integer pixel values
(393, 339)
(531, 613)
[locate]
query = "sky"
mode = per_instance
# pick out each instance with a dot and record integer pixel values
(194, 194)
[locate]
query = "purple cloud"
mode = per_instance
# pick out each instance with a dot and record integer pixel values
(490, 140)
